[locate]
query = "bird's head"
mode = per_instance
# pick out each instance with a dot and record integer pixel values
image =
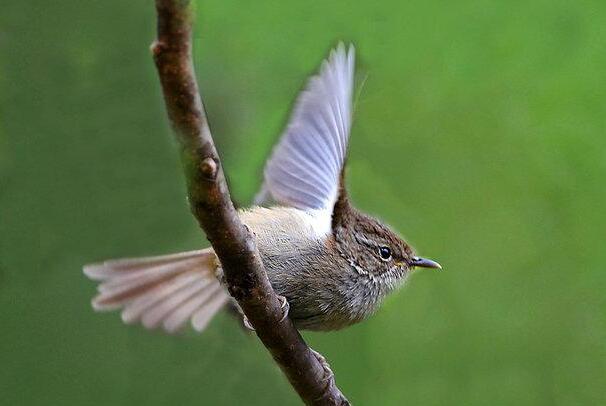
(376, 251)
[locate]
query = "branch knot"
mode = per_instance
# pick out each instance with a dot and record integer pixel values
(208, 168)
(157, 47)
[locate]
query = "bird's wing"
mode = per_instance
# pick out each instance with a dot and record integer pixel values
(304, 168)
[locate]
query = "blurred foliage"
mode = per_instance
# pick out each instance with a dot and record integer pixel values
(479, 134)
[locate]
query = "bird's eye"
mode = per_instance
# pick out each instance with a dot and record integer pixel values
(385, 253)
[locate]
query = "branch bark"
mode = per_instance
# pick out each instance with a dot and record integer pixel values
(212, 206)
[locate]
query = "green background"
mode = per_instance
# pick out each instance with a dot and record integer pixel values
(479, 134)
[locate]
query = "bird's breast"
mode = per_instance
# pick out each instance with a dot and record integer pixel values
(303, 264)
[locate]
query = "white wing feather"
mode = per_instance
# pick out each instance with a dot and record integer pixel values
(305, 166)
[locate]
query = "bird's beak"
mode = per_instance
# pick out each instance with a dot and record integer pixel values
(425, 263)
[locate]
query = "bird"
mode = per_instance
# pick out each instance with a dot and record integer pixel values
(330, 263)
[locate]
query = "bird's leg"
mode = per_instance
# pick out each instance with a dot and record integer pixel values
(284, 305)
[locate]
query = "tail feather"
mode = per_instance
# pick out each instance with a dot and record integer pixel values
(204, 314)
(136, 278)
(133, 311)
(120, 288)
(159, 291)
(202, 301)
(109, 268)
(155, 315)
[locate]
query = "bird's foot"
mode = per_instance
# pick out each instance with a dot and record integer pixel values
(285, 306)
(329, 379)
(247, 323)
(329, 376)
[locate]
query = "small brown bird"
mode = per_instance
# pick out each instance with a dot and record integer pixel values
(332, 263)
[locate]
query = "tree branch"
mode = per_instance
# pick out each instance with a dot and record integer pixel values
(212, 206)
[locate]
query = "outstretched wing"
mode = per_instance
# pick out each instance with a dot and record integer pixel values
(304, 168)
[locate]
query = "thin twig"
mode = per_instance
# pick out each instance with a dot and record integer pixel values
(212, 206)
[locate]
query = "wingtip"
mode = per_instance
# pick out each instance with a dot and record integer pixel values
(345, 49)
(351, 51)
(344, 55)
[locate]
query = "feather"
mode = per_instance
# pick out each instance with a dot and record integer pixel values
(305, 166)
(159, 291)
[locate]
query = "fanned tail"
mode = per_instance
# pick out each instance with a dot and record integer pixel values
(164, 291)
